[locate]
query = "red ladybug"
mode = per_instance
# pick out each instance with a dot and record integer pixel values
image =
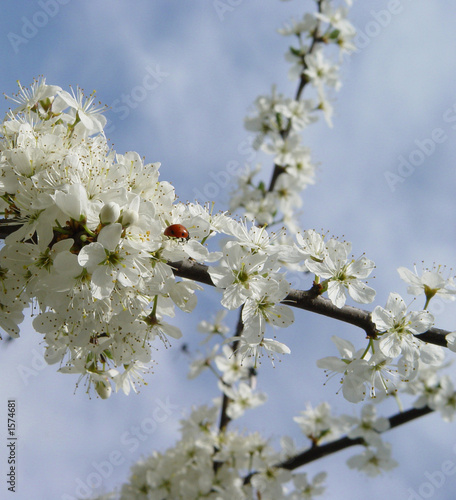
(177, 231)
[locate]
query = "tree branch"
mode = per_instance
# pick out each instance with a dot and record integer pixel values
(317, 452)
(225, 419)
(308, 300)
(321, 451)
(311, 301)
(8, 226)
(303, 81)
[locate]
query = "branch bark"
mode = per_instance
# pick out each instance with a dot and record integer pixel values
(308, 300)
(321, 451)
(317, 452)
(225, 419)
(8, 226)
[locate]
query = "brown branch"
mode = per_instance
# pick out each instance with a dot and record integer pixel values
(317, 452)
(225, 419)
(321, 451)
(192, 270)
(316, 37)
(8, 226)
(310, 301)
(303, 81)
(307, 300)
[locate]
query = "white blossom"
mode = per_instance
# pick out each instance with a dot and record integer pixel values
(399, 328)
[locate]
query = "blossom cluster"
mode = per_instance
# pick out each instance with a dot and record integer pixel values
(90, 249)
(94, 234)
(335, 270)
(210, 461)
(321, 426)
(370, 372)
(95, 238)
(207, 464)
(278, 121)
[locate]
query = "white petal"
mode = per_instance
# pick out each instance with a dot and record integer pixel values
(361, 293)
(353, 388)
(109, 236)
(396, 305)
(432, 354)
(336, 293)
(234, 296)
(409, 277)
(390, 345)
(382, 319)
(282, 316)
(451, 341)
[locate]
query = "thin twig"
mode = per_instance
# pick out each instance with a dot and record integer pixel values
(303, 81)
(224, 418)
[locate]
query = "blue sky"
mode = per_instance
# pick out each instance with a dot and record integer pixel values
(397, 95)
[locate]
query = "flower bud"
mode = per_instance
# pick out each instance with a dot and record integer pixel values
(129, 218)
(103, 389)
(109, 213)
